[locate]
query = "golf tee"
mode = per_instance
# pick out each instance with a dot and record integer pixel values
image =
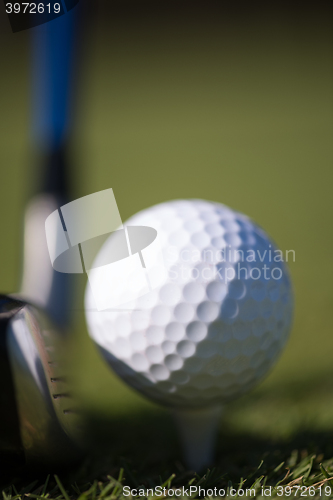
(198, 431)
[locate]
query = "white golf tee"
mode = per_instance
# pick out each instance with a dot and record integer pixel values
(198, 431)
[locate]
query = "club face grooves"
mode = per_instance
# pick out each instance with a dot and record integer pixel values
(43, 427)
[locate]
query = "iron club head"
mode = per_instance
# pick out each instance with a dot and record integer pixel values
(40, 422)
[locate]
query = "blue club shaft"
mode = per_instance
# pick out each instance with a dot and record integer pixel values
(55, 48)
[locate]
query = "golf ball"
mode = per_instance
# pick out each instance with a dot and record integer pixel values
(215, 324)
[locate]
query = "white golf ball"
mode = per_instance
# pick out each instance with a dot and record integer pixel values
(215, 324)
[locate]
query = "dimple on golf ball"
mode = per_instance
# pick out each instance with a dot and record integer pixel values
(216, 322)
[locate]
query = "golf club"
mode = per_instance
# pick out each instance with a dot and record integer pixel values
(39, 422)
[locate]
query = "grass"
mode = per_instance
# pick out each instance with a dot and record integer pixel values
(298, 475)
(234, 111)
(275, 437)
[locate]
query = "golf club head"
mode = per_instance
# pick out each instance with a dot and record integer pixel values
(40, 422)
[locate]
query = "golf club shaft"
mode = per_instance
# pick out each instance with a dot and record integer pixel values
(54, 74)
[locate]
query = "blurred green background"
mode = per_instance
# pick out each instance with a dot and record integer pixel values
(228, 103)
